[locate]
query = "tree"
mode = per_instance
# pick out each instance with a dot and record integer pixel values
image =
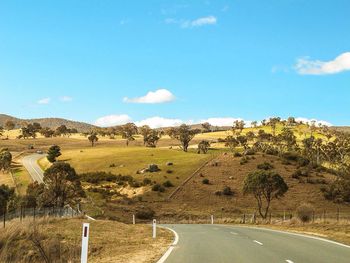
(6, 195)
(264, 186)
(34, 195)
(5, 160)
(9, 125)
(238, 125)
(243, 141)
(273, 123)
(128, 131)
(184, 134)
(93, 139)
(231, 142)
(206, 126)
(62, 130)
(47, 132)
(150, 136)
(203, 146)
(62, 185)
(254, 124)
(53, 152)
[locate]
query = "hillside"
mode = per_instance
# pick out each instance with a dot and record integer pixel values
(52, 123)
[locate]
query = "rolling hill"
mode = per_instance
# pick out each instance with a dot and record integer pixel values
(48, 122)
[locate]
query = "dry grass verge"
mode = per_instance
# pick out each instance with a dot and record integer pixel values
(58, 240)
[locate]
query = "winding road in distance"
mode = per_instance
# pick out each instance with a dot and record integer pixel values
(238, 244)
(30, 162)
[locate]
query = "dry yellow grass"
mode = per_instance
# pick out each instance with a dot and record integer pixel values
(5, 178)
(109, 241)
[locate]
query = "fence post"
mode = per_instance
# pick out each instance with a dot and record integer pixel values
(34, 213)
(212, 219)
(243, 218)
(133, 219)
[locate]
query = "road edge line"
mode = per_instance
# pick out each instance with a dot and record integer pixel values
(171, 247)
(300, 235)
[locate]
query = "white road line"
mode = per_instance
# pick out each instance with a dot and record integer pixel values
(170, 249)
(300, 235)
(256, 241)
(233, 233)
(289, 261)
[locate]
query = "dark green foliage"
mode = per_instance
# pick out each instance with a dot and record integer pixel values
(5, 160)
(147, 181)
(98, 177)
(243, 161)
(264, 186)
(145, 213)
(205, 181)
(265, 166)
(6, 195)
(338, 191)
(237, 154)
(227, 191)
(158, 188)
(168, 184)
(53, 152)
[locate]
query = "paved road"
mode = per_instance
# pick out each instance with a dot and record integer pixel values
(234, 244)
(30, 163)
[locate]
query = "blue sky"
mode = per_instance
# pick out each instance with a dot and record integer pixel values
(250, 59)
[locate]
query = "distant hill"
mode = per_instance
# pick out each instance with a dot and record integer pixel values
(341, 128)
(52, 123)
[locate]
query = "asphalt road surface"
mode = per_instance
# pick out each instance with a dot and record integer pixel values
(30, 163)
(235, 244)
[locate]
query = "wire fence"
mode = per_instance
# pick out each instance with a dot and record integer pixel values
(34, 213)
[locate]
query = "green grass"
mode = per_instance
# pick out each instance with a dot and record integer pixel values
(22, 179)
(128, 160)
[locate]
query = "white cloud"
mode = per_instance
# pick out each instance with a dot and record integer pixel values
(112, 120)
(44, 101)
(309, 121)
(158, 96)
(202, 21)
(305, 66)
(66, 99)
(159, 122)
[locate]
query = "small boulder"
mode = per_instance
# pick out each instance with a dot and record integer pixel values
(153, 168)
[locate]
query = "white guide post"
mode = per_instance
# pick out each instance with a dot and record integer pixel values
(154, 228)
(212, 219)
(85, 243)
(133, 219)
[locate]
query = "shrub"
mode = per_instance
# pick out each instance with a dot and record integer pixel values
(303, 161)
(169, 171)
(290, 156)
(145, 213)
(227, 191)
(316, 181)
(158, 188)
(265, 166)
(219, 193)
(271, 151)
(97, 177)
(249, 152)
(243, 161)
(205, 181)
(147, 181)
(168, 184)
(305, 212)
(236, 154)
(300, 172)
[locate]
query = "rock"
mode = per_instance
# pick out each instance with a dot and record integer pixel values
(231, 178)
(169, 163)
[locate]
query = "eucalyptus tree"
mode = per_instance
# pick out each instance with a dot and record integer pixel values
(184, 134)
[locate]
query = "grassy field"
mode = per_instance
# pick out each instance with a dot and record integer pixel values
(5, 178)
(128, 160)
(61, 238)
(22, 179)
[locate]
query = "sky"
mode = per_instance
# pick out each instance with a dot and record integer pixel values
(167, 62)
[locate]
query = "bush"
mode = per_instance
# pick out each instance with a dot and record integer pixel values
(243, 161)
(169, 171)
(265, 166)
(158, 188)
(316, 181)
(271, 151)
(97, 177)
(303, 161)
(218, 193)
(147, 181)
(236, 154)
(305, 212)
(227, 191)
(205, 181)
(249, 152)
(290, 156)
(300, 172)
(168, 184)
(145, 213)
